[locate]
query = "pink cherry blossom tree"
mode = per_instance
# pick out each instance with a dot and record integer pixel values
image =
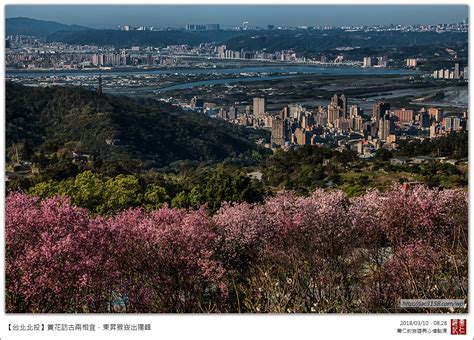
(323, 253)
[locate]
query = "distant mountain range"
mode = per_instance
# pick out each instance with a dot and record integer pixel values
(39, 28)
(301, 41)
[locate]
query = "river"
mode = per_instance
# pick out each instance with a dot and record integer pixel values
(343, 71)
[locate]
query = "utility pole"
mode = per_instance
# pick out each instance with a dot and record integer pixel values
(99, 93)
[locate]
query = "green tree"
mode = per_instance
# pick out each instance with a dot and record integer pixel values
(88, 191)
(383, 155)
(121, 192)
(155, 196)
(45, 189)
(197, 196)
(181, 200)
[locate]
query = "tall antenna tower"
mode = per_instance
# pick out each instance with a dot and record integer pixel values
(17, 155)
(99, 93)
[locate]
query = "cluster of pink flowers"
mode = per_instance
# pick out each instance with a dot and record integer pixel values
(61, 259)
(326, 252)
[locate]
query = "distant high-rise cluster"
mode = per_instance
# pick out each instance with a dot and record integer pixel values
(136, 28)
(298, 126)
(367, 62)
(412, 62)
(454, 73)
(112, 59)
(203, 27)
(284, 55)
(381, 61)
(339, 123)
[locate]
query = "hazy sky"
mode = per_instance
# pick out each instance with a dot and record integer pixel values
(103, 16)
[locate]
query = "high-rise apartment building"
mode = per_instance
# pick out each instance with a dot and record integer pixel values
(424, 119)
(448, 123)
(403, 115)
(259, 107)
(196, 102)
(367, 62)
(357, 124)
(456, 123)
(385, 127)
(436, 114)
(321, 118)
(333, 114)
(233, 112)
(285, 112)
(456, 72)
(278, 131)
(301, 137)
(379, 109)
(337, 108)
(343, 105)
(412, 62)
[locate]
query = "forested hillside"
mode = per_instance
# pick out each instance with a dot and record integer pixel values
(147, 133)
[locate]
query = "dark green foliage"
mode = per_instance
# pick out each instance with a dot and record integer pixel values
(302, 41)
(309, 167)
(145, 134)
(436, 174)
(346, 156)
(383, 155)
(222, 185)
(303, 169)
(141, 38)
(454, 145)
(317, 41)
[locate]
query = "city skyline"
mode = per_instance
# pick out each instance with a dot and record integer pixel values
(111, 16)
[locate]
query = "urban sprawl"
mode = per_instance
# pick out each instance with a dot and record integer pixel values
(338, 124)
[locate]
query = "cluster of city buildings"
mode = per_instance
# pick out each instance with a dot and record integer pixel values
(453, 73)
(340, 124)
(137, 28)
(381, 61)
(83, 60)
(31, 53)
(439, 28)
(285, 55)
(412, 62)
(203, 27)
(189, 27)
(451, 27)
